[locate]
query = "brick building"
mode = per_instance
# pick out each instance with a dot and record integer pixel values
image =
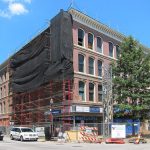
(77, 99)
(4, 94)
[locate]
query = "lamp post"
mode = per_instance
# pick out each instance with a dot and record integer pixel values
(51, 117)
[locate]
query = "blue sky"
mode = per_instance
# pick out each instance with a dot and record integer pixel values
(21, 20)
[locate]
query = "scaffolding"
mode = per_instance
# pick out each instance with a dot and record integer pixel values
(33, 108)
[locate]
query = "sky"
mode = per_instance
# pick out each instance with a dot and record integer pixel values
(22, 20)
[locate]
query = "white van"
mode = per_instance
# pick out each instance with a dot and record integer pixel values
(23, 133)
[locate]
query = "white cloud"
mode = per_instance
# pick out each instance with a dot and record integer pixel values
(4, 14)
(17, 9)
(14, 7)
(11, 1)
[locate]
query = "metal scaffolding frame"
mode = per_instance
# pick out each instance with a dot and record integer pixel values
(29, 108)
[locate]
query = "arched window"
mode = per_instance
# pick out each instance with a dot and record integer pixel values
(91, 92)
(100, 93)
(117, 51)
(0, 80)
(4, 78)
(80, 37)
(91, 66)
(1, 92)
(99, 64)
(0, 108)
(4, 90)
(81, 63)
(4, 107)
(111, 49)
(90, 41)
(82, 90)
(99, 44)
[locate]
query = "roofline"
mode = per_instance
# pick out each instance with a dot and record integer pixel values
(97, 25)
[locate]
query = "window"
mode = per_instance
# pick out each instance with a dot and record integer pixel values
(26, 130)
(80, 37)
(0, 80)
(100, 93)
(1, 92)
(4, 78)
(18, 130)
(82, 90)
(4, 107)
(0, 108)
(81, 63)
(110, 49)
(4, 90)
(99, 68)
(5, 74)
(90, 41)
(117, 51)
(91, 92)
(91, 66)
(99, 45)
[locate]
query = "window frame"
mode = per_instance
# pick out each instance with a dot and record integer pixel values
(100, 93)
(112, 48)
(101, 45)
(117, 56)
(92, 46)
(80, 64)
(83, 92)
(98, 67)
(83, 37)
(91, 92)
(89, 67)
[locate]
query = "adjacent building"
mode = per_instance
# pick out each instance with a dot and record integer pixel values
(4, 94)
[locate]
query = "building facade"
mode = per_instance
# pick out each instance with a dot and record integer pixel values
(4, 95)
(95, 45)
(77, 100)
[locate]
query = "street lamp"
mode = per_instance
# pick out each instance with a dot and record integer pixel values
(51, 115)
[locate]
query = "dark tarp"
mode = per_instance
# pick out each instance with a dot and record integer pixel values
(48, 57)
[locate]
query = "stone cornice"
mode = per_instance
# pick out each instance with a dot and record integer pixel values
(94, 53)
(85, 76)
(96, 25)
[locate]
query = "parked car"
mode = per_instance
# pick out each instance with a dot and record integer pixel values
(23, 133)
(1, 136)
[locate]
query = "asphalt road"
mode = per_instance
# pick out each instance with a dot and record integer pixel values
(8, 144)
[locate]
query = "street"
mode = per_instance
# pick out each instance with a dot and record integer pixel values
(8, 144)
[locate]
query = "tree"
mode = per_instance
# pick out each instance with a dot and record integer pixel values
(131, 82)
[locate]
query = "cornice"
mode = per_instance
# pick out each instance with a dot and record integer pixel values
(100, 27)
(94, 53)
(96, 25)
(85, 76)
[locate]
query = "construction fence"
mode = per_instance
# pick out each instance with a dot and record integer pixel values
(87, 132)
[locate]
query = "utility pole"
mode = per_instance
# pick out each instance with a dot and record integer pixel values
(51, 115)
(107, 100)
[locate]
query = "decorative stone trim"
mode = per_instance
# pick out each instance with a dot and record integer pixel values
(96, 25)
(94, 53)
(100, 27)
(86, 76)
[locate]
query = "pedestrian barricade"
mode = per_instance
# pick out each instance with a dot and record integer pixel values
(89, 135)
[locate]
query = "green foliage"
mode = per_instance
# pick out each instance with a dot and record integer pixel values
(131, 81)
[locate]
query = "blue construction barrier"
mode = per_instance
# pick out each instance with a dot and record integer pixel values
(131, 125)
